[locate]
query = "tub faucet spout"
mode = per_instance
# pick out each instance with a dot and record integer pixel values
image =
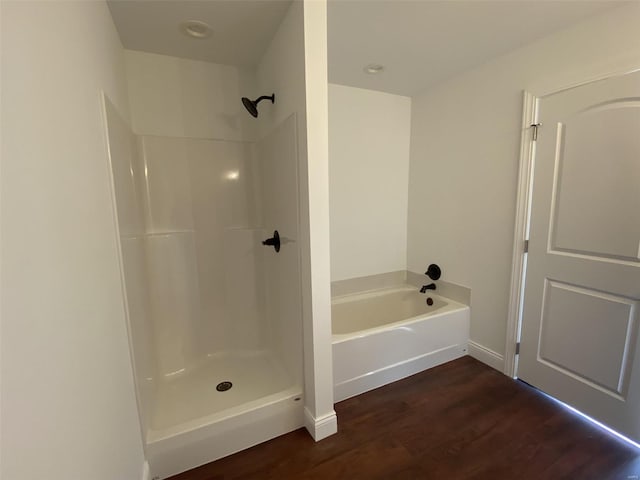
(431, 286)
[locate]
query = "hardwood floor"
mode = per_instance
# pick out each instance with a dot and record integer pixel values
(461, 420)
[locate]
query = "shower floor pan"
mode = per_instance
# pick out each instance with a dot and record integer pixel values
(194, 423)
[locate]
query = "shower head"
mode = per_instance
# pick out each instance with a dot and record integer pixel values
(252, 105)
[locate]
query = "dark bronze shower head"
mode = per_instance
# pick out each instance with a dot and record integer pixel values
(252, 105)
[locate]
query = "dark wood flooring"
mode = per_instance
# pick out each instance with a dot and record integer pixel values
(461, 420)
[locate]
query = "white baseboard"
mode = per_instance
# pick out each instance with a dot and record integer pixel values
(146, 474)
(321, 427)
(486, 356)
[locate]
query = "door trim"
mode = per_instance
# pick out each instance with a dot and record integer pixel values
(521, 231)
(523, 200)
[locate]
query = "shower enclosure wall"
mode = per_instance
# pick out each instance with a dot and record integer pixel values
(196, 193)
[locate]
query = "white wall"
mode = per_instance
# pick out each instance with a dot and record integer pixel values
(317, 186)
(68, 402)
(465, 141)
(294, 66)
(369, 135)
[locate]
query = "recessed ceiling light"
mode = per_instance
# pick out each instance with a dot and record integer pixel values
(373, 68)
(196, 29)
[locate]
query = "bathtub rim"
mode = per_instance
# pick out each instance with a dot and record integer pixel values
(450, 307)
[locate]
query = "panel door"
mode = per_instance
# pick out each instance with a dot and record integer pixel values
(582, 289)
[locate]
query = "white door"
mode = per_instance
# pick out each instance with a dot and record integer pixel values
(580, 339)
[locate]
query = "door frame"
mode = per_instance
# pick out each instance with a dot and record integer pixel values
(521, 231)
(530, 105)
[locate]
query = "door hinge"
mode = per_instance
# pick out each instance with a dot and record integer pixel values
(535, 130)
(518, 348)
(526, 246)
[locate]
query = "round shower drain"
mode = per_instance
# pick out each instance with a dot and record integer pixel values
(224, 386)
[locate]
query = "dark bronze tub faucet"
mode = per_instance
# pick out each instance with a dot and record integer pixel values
(431, 286)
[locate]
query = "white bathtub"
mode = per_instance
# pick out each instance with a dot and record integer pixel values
(385, 335)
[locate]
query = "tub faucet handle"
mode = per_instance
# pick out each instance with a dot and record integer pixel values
(433, 272)
(431, 286)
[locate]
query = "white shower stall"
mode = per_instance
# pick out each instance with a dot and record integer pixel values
(215, 317)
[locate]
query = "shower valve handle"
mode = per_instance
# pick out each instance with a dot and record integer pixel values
(433, 272)
(273, 241)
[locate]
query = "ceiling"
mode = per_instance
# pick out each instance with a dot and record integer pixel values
(423, 42)
(242, 29)
(420, 42)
